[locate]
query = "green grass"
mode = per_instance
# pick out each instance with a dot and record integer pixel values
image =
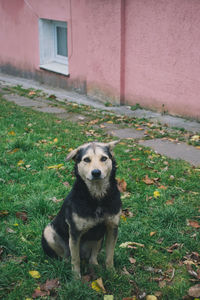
(30, 143)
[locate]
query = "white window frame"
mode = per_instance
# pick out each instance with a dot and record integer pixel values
(59, 58)
(49, 59)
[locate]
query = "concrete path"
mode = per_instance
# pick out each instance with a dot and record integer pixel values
(164, 147)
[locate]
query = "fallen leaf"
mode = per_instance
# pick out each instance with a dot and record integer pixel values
(135, 159)
(162, 187)
(195, 138)
(108, 297)
(10, 230)
(109, 122)
(54, 199)
(55, 140)
(148, 180)
(38, 293)
(3, 213)
(151, 297)
(22, 215)
(98, 286)
(132, 260)
(20, 162)
(152, 233)
(125, 271)
(13, 151)
(170, 202)
(127, 213)
(156, 194)
(31, 93)
(123, 217)
(66, 183)
(55, 166)
(193, 224)
(50, 284)
(34, 274)
(194, 291)
(11, 133)
(122, 185)
(174, 247)
(129, 244)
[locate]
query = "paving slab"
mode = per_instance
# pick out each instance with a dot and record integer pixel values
(174, 150)
(63, 95)
(125, 133)
(50, 109)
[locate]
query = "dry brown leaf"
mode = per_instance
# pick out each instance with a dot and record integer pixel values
(22, 215)
(50, 284)
(193, 224)
(3, 213)
(38, 293)
(148, 180)
(122, 185)
(173, 247)
(132, 260)
(194, 291)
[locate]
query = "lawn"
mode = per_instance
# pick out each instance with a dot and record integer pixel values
(161, 211)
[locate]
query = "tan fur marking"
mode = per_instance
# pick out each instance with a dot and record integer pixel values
(84, 224)
(54, 240)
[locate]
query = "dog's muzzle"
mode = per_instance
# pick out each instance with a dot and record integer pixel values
(96, 174)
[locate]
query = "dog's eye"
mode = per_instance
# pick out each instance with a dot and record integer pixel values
(87, 160)
(104, 158)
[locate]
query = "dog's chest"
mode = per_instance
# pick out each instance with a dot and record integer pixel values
(84, 224)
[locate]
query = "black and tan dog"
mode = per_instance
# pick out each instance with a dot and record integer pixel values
(91, 210)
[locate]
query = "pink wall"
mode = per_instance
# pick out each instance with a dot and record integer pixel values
(137, 51)
(163, 55)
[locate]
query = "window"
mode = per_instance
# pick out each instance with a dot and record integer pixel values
(53, 46)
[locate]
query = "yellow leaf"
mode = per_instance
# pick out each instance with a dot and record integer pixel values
(98, 286)
(108, 297)
(156, 194)
(109, 122)
(20, 162)
(152, 233)
(34, 274)
(123, 218)
(195, 138)
(55, 166)
(70, 149)
(11, 133)
(55, 140)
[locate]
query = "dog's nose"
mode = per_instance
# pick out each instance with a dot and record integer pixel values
(96, 173)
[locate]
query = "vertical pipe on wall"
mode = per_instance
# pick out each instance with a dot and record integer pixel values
(122, 54)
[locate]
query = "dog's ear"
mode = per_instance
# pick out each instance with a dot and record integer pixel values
(111, 145)
(72, 154)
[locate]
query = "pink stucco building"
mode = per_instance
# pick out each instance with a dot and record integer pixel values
(121, 51)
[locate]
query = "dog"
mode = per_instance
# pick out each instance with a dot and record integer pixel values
(90, 212)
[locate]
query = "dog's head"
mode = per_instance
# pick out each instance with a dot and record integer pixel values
(94, 161)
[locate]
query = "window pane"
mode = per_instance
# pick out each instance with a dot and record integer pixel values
(61, 33)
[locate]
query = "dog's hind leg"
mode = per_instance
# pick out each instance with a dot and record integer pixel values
(53, 243)
(96, 247)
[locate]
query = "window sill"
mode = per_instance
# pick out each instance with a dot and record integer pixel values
(56, 68)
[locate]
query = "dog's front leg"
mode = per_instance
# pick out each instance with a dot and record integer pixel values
(74, 245)
(111, 238)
